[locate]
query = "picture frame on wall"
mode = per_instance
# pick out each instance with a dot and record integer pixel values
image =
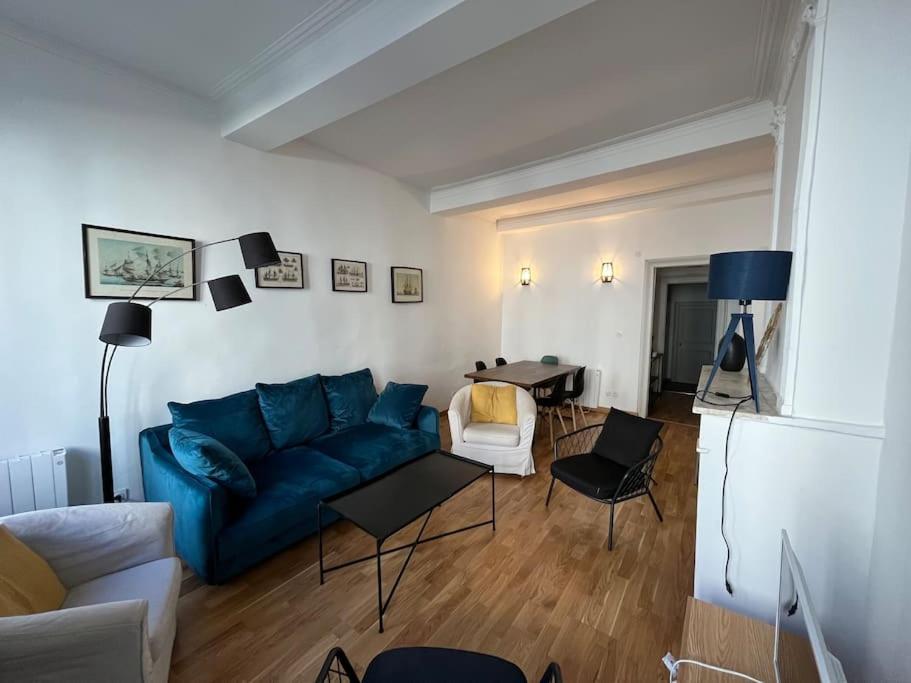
(117, 261)
(349, 276)
(288, 275)
(407, 285)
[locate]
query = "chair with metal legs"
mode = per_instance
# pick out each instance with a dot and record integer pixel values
(611, 462)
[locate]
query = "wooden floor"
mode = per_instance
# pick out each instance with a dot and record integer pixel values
(671, 406)
(542, 587)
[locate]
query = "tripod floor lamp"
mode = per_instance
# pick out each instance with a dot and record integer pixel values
(746, 276)
(127, 323)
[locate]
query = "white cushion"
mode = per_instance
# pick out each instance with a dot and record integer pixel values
(492, 434)
(157, 581)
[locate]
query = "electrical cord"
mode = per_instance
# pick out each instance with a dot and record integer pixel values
(672, 676)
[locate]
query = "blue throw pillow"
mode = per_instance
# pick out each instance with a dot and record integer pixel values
(294, 412)
(206, 457)
(234, 420)
(398, 405)
(350, 398)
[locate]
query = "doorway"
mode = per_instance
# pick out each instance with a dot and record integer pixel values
(684, 330)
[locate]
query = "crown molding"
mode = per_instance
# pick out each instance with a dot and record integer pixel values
(324, 19)
(685, 194)
(703, 131)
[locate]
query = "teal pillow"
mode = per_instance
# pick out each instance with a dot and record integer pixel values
(234, 420)
(350, 398)
(207, 457)
(398, 405)
(294, 412)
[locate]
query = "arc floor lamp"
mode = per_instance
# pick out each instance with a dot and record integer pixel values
(127, 323)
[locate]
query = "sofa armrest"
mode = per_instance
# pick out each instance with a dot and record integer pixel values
(428, 420)
(84, 542)
(200, 505)
(527, 413)
(106, 642)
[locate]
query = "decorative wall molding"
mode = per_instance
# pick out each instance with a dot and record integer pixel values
(802, 17)
(329, 15)
(779, 114)
(670, 198)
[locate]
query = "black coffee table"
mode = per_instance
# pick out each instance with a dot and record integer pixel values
(392, 501)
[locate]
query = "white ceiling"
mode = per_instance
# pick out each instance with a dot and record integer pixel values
(193, 45)
(604, 71)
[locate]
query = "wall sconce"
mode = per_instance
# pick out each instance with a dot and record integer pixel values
(607, 272)
(525, 277)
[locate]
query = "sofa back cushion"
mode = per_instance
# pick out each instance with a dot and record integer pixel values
(206, 457)
(350, 398)
(234, 420)
(294, 412)
(626, 439)
(398, 405)
(27, 583)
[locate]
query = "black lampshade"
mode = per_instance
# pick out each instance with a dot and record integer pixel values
(750, 275)
(258, 250)
(228, 292)
(127, 323)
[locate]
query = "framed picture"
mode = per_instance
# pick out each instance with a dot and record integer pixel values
(116, 262)
(349, 276)
(289, 275)
(407, 285)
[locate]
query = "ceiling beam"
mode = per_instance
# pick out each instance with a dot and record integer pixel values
(588, 165)
(378, 51)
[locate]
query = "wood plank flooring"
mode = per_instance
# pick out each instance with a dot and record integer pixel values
(542, 587)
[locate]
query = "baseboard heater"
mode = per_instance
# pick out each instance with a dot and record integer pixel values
(34, 482)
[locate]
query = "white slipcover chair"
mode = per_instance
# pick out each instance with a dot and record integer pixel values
(506, 447)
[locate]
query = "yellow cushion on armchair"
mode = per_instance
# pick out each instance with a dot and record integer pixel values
(493, 404)
(27, 584)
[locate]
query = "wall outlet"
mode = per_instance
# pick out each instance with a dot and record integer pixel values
(122, 495)
(611, 394)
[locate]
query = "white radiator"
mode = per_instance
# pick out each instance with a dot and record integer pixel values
(592, 393)
(33, 482)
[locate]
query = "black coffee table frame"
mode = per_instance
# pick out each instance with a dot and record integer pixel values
(383, 605)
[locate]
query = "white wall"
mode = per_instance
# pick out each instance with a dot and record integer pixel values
(81, 146)
(568, 312)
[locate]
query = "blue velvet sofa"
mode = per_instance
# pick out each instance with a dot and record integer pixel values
(219, 534)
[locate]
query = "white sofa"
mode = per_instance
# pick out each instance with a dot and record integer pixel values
(506, 447)
(122, 578)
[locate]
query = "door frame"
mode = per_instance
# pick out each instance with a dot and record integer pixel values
(648, 315)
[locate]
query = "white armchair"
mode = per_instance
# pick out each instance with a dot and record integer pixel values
(506, 447)
(122, 578)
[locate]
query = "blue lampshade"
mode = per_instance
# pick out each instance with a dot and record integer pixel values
(750, 275)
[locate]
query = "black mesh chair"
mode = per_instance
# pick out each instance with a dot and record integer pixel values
(610, 462)
(437, 664)
(478, 366)
(574, 394)
(552, 403)
(499, 361)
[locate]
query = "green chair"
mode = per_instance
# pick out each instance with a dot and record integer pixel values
(549, 360)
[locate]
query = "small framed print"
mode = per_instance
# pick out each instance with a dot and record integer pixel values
(349, 276)
(117, 262)
(407, 285)
(288, 275)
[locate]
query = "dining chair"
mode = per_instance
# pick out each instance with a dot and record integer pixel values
(552, 402)
(550, 360)
(478, 366)
(574, 395)
(610, 462)
(499, 361)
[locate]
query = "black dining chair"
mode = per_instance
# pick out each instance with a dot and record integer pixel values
(499, 361)
(574, 395)
(552, 402)
(437, 664)
(478, 366)
(611, 462)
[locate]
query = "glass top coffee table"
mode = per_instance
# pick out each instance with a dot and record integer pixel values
(392, 501)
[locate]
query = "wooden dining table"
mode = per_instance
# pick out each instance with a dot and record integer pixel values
(528, 374)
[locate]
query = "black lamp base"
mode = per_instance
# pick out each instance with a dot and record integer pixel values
(746, 320)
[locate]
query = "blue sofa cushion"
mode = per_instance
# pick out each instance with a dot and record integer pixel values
(398, 405)
(233, 420)
(373, 449)
(350, 398)
(289, 483)
(294, 412)
(205, 457)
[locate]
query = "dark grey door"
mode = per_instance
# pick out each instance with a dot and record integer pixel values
(692, 339)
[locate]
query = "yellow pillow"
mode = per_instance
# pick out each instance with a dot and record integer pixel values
(493, 404)
(27, 584)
